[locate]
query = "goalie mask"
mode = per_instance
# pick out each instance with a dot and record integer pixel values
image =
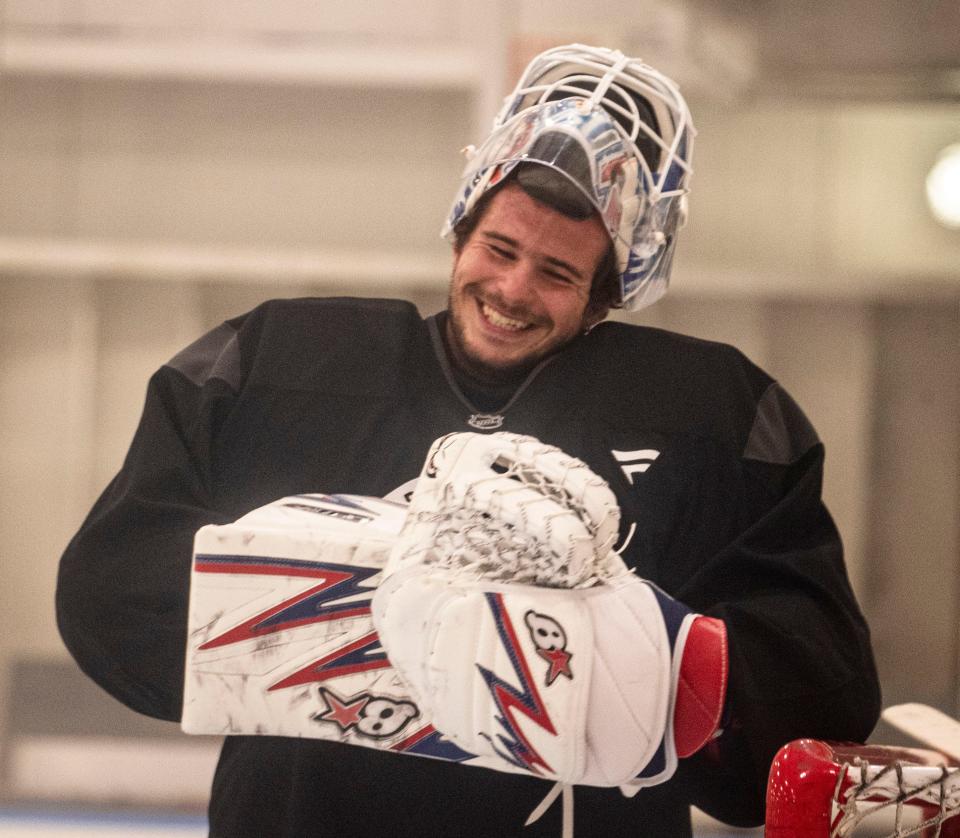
(621, 136)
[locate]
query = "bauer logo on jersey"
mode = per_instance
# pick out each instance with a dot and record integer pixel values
(636, 462)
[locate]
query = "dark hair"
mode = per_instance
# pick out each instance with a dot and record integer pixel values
(555, 191)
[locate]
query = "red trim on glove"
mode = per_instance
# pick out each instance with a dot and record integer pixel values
(702, 685)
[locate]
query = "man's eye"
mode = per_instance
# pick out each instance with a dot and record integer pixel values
(563, 278)
(502, 252)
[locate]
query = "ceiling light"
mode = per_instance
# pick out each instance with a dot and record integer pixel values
(943, 187)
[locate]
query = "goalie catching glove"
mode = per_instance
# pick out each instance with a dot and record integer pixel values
(524, 637)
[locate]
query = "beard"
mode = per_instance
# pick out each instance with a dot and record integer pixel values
(465, 361)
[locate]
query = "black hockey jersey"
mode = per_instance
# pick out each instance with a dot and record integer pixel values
(709, 457)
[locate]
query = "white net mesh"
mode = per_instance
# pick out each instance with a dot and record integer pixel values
(533, 516)
(874, 799)
(476, 544)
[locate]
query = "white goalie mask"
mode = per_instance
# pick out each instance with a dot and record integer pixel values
(619, 132)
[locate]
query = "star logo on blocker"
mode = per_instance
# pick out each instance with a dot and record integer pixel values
(551, 644)
(559, 660)
(343, 712)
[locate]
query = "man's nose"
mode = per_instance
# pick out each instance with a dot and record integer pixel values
(517, 282)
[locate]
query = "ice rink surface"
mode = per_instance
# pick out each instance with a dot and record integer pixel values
(40, 823)
(37, 823)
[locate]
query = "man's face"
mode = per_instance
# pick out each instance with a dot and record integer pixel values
(521, 285)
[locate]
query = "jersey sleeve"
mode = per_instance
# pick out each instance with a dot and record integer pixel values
(801, 663)
(123, 580)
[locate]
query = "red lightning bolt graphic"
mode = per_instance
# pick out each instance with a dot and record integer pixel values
(304, 608)
(510, 700)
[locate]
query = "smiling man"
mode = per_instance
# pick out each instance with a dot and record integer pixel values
(570, 207)
(521, 286)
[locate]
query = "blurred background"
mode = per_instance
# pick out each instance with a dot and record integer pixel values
(165, 165)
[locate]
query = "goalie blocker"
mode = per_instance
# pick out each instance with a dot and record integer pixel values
(604, 684)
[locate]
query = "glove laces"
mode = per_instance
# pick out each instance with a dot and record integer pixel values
(567, 790)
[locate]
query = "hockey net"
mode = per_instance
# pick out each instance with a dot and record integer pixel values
(828, 790)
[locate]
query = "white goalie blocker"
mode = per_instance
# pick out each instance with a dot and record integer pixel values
(280, 637)
(517, 639)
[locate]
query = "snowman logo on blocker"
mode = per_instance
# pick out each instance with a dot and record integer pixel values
(551, 642)
(369, 715)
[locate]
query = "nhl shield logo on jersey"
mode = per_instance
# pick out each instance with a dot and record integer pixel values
(551, 642)
(485, 421)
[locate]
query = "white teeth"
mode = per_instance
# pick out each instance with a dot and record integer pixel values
(502, 321)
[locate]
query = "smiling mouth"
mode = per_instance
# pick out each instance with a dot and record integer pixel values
(501, 321)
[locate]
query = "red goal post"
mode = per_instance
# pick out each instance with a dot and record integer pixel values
(827, 790)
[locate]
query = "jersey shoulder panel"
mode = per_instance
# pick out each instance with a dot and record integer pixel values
(282, 342)
(781, 433)
(696, 379)
(698, 359)
(339, 344)
(330, 322)
(680, 383)
(215, 355)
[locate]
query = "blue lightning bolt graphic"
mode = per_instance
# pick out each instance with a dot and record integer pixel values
(508, 699)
